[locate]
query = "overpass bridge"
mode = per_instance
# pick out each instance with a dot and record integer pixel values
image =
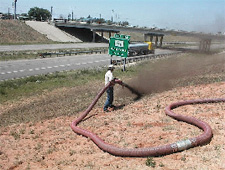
(148, 34)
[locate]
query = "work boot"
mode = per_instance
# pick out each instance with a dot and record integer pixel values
(106, 110)
(112, 106)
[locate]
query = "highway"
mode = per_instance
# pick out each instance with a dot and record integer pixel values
(25, 68)
(35, 47)
(14, 69)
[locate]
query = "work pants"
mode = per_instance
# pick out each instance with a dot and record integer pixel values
(109, 100)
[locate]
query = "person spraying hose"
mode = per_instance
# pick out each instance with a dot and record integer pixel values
(110, 94)
(109, 78)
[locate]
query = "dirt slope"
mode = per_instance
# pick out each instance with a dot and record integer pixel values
(12, 31)
(51, 144)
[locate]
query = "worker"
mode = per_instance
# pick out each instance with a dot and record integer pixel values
(108, 78)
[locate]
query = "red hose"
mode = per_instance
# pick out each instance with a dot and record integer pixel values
(205, 137)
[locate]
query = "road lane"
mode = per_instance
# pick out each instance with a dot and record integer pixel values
(50, 46)
(24, 68)
(14, 69)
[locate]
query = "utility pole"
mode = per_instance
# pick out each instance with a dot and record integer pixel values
(15, 9)
(112, 15)
(51, 12)
(72, 15)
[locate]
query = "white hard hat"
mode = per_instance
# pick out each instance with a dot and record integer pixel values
(111, 66)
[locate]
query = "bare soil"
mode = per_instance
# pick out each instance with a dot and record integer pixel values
(51, 144)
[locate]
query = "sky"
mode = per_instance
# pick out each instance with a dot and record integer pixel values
(190, 15)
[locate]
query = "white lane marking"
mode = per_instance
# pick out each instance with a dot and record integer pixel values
(104, 60)
(49, 67)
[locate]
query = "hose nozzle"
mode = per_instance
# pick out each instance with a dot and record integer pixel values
(118, 81)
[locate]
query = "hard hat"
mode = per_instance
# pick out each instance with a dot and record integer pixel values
(111, 66)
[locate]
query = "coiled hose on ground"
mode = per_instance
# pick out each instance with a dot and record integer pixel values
(205, 137)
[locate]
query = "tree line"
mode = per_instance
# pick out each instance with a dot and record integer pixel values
(38, 14)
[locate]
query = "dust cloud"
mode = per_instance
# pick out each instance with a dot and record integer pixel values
(163, 74)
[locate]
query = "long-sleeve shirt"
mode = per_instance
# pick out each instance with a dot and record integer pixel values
(108, 77)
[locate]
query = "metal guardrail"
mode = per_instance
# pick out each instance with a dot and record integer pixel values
(58, 54)
(140, 58)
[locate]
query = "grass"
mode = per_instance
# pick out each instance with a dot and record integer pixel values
(15, 89)
(17, 32)
(15, 134)
(81, 87)
(66, 93)
(150, 162)
(17, 55)
(5, 56)
(135, 36)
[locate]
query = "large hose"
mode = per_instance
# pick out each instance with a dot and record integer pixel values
(205, 137)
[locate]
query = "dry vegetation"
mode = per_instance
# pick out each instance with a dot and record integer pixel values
(49, 143)
(169, 38)
(17, 32)
(35, 128)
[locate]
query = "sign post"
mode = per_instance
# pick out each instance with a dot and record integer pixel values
(118, 46)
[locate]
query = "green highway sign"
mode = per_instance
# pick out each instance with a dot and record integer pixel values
(118, 45)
